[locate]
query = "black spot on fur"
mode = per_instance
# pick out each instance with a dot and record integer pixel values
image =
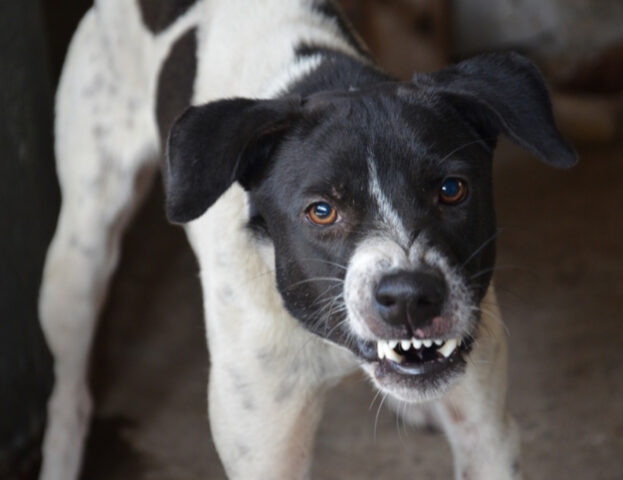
(284, 391)
(159, 14)
(175, 84)
(242, 388)
(243, 449)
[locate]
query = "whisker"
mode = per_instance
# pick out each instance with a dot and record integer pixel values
(320, 260)
(337, 325)
(400, 419)
(465, 145)
(316, 279)
(495, 316)
(499, 267)
(336, 306)
(378, 411)
(483, 245)
(332, 306)
(376, 395)
(322, 295)
(498, 318)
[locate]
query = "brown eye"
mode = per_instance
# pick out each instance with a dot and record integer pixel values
(453, 191)
(321, 213)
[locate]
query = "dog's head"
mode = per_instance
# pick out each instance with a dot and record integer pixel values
(378, 203)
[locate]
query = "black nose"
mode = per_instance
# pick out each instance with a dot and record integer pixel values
(410, 297)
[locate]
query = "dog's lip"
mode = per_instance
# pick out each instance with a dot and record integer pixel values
(367, 349)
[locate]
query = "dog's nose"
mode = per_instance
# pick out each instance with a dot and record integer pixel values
(413, 298)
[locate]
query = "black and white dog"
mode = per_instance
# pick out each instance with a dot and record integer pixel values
(341, 219)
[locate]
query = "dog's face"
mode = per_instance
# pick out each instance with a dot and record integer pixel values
(378, 203)
(370, 205)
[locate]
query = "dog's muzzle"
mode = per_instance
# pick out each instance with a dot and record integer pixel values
(413, 318)
(415, 337)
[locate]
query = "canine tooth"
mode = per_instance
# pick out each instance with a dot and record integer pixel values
(448, 347)
(392, 355)
(380, 348)
(405, 344)
(417, 344)
(392, 344)
(427, 343)
(438, 342)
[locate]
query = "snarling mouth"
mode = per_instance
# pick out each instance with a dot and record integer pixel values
(421, 357)
(417, 357)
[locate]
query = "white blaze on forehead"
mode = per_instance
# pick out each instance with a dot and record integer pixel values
(387, 211)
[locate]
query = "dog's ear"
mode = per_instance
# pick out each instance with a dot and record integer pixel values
(213, 145)
(504, 93)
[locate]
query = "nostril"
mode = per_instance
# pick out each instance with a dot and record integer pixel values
(428, 298)
(385, 300)
(424, 302)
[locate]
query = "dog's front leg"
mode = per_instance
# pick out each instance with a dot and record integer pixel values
(263, 425)
(483, 436)
(268, 374)
(265, 401)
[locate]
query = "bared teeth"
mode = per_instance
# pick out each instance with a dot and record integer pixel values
(385, 349)
(393, 355)
(388, 348)
(448, 347)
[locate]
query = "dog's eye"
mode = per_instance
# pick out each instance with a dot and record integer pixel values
(453, 191)
(321, 213)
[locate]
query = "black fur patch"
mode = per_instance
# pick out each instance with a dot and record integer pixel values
(159, 14)
(176, 81)
(212, 146)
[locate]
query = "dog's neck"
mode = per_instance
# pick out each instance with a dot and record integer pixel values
(336, 71)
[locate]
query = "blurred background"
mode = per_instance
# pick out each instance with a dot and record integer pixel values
(560, 256)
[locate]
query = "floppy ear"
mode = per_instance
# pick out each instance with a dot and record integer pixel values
(213, 145)
(504, 93)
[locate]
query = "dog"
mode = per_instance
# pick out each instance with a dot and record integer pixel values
(342, 220)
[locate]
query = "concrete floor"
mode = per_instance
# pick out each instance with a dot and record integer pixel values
(560, 284)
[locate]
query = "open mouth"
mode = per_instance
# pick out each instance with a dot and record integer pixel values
(421, 357)
(418, 359)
